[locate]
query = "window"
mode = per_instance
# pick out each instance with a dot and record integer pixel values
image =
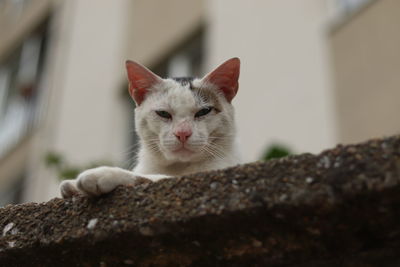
(351, 5)
(186, 60)
(340, 8)
(19, 90)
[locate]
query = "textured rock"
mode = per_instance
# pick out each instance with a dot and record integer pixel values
(338, 208)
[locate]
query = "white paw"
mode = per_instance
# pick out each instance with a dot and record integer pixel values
(68, 188)
(100, 180)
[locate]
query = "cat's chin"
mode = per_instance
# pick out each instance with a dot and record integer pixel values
(181, 154)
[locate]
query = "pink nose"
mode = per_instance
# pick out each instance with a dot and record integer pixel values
(183, 135)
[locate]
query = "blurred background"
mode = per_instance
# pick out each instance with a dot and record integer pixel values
(314, 73)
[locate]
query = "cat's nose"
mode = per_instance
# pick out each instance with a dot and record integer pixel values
(183, 135)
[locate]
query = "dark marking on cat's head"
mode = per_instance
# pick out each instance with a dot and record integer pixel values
(184, 81)
(206, 95)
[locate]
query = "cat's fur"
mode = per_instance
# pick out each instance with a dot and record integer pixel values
(178, 132)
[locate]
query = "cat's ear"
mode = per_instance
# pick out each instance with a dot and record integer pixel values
(140, 79)
(226, 78)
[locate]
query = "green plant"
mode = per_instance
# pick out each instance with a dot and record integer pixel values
(276, 151)
(65, 170)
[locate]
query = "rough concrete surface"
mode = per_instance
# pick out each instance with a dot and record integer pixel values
(338, 208)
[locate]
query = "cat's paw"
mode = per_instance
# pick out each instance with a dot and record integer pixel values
(103, 180)
(68, 188)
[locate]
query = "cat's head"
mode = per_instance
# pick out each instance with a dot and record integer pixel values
(185, 119)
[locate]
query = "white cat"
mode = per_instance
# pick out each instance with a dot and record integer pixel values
(185, 125)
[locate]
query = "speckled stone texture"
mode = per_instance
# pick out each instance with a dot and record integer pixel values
(338, 208)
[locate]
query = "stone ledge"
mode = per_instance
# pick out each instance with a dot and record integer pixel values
(341, 207)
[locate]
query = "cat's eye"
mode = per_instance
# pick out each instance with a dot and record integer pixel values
(203, 112)
(163, 114)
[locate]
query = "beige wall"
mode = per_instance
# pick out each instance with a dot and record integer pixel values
(366, 53)
(284, 93)
(93, 71)
(86, 116)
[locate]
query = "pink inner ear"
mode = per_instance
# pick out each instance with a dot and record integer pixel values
(226, 77)
(140, 80)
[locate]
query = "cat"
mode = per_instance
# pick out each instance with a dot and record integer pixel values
(185, 125)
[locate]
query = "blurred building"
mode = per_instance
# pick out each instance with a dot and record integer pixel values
(314, 73)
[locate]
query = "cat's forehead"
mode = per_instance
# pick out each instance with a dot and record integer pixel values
(178, 94)
(183, 94)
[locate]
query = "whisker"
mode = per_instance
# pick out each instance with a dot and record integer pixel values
(213, 151)
(217, 149)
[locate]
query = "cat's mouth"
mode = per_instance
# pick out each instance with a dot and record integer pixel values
(183, 150)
